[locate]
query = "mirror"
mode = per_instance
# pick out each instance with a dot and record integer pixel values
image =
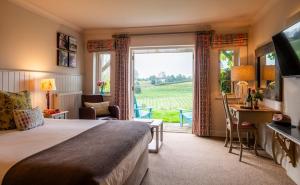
(268, 77)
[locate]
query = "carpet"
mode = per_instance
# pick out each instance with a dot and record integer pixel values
(185, 159)
(175, 127)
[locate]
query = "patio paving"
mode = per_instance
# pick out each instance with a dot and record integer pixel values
(175, 128)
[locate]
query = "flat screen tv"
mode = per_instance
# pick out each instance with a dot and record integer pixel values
(287, 47)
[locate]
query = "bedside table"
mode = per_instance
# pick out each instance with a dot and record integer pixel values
(60, 115)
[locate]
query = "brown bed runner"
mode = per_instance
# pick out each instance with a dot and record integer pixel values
(81, 160)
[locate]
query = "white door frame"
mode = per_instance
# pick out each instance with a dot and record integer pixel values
(131, 67)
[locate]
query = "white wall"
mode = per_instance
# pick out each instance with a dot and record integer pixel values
(280, 16)
(28, 41)
(28, 54)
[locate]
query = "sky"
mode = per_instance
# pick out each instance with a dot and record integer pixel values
(170, 63)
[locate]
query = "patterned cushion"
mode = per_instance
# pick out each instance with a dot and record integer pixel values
(28, 119)
(101, 108)
(8, 103)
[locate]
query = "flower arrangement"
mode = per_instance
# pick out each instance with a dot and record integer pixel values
(101, 84)
(257, 95)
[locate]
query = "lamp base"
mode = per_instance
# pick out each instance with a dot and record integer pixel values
(241, 90)
(48, 99)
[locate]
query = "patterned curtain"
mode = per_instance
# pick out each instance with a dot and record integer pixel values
(100, 45)
(229, 40)
(121, 96)
(201, 104)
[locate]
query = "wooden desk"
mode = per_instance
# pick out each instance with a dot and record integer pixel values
(287, 137)
(259, 117)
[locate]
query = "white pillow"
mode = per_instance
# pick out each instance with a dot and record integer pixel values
(101, 108)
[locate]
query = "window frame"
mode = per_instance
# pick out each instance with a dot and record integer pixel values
(97, 72)
(236, 62)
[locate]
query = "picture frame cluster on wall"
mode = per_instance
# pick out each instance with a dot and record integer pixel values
(66, 50)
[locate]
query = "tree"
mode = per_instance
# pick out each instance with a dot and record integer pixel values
(153, 79)
(271, 56)
(226, 62)
(137, 87)
(179, 77)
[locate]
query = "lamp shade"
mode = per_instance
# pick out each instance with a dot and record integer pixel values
(242, 73)
(269, 73)
(48, 85)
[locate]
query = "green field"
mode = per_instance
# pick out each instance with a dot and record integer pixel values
(166, 100)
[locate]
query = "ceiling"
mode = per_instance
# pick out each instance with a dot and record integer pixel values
(88, 14)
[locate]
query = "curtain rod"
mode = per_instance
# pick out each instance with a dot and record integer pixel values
(163, 33)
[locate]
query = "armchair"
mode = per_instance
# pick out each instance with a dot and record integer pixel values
(90, 112)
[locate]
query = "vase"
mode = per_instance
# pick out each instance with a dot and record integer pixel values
(102, 91)
(256, 104)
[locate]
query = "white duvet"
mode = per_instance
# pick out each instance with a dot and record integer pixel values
(18, 145)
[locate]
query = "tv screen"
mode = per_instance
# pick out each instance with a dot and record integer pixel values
(293, 36)
(287, 46)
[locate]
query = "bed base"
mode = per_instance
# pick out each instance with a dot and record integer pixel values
(140, 170)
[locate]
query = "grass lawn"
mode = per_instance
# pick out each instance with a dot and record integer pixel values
(169, 116)
(166, 100)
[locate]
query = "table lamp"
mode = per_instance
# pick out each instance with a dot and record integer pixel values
(242, 74)
(269, 73)
(48, 85)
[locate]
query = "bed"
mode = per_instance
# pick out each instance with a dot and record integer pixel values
(75, 152)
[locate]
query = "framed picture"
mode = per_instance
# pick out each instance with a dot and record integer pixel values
(62, 58)
(72, 44)
(72, 59)
(62, 41)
